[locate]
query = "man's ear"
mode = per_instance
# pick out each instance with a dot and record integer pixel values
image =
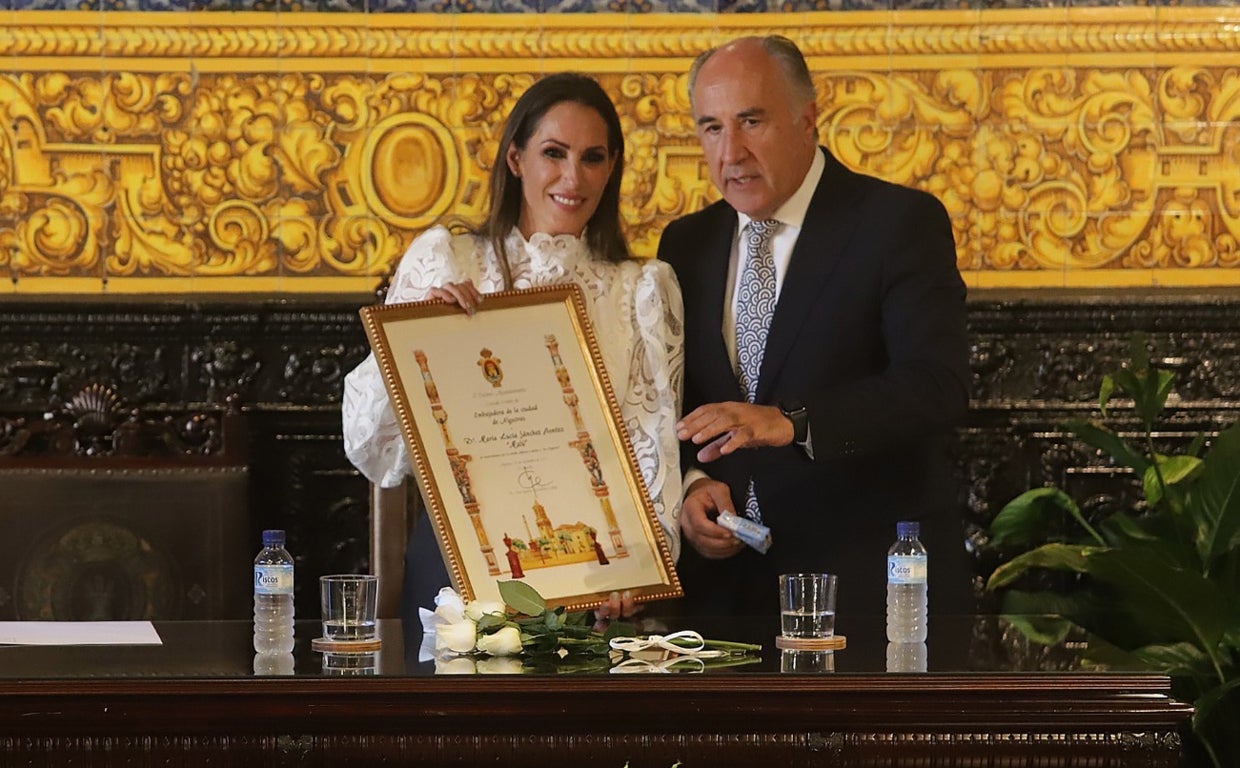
(810, 115)
(514, 160)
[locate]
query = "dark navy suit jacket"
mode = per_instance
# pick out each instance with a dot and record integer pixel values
(869, 334)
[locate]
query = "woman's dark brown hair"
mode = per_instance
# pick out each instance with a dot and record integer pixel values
(604, 235)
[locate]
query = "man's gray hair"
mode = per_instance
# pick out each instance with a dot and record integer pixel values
(785, 53)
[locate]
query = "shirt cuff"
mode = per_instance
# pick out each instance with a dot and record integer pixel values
(692, 475)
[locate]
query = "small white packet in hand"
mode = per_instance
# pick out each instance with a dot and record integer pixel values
(754, 534)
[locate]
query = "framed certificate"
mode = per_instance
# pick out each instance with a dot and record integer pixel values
(519, 449)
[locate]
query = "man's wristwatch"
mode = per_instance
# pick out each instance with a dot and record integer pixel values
(795, 412)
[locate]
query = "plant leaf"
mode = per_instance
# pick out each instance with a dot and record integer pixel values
(1104, 393)
(1150, 388)
(1172, 603)
(1046, 630)
(1122, 528)
(1178, 659)
(1214, 721)
(1166, 380)
(1174, 469)
(1126, 381)
(1215, 504)
(1104, 439)
(522, 598)
(1059, 557)
(1029, 516)
(1042, 603)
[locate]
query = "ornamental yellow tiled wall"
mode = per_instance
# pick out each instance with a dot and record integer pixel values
(246, 152)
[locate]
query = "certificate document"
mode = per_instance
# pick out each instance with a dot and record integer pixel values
(519, 449)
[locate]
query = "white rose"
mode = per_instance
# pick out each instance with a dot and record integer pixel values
(476, 609)
(454, 665)
(448, 597)
(504, 642)
(500, 665)
(449, 613)
(458, 637)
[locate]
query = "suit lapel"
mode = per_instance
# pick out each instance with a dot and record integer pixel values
(828, 226)
(714, 277)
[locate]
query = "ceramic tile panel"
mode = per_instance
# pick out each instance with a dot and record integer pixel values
(275, 150)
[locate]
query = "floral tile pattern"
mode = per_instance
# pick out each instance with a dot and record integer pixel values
(1062, 144)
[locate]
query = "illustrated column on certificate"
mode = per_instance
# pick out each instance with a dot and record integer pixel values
(585, 447)
(459, 463)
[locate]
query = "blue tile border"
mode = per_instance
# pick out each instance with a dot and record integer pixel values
(581, 6)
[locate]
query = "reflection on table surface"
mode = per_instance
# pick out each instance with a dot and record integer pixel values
(957, 644)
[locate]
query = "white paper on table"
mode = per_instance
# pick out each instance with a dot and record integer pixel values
(78, 633)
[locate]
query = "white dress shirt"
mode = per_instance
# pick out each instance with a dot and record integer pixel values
(791, 216)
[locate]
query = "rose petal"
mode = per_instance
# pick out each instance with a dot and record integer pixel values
(476, 609)
(458, 638)
(503, 642)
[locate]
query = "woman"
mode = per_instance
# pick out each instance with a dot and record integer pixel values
(554, 218)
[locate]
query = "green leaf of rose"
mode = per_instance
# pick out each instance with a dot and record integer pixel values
(491, 622)
(619, 629)
(522, 598)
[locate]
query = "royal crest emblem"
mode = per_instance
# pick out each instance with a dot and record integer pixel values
(491, 369)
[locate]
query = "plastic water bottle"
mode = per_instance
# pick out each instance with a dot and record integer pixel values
(273, 596)
(906, 586)
(906, 657)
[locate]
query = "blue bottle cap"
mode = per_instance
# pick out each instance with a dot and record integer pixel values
(273, 539)
(908, 530)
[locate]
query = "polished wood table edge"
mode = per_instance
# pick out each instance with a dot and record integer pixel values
(982, 682)
(528, 704)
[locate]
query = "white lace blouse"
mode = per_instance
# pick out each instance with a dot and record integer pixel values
(636, 310)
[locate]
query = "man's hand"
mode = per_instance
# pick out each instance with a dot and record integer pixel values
(618, 606)
(710, 539)
(464, 294)
(728, 427)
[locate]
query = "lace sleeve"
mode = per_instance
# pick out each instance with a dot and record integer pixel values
(372, 438)
(657, 378)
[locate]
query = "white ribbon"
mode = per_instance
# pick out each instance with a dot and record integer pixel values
(695, 649)
(630, 666)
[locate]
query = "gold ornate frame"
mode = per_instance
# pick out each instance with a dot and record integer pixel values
(516, 436)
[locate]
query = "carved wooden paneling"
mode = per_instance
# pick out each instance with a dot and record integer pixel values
(1037, 360)
(1019, 749)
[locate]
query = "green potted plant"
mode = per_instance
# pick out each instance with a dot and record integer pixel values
(1153, 586)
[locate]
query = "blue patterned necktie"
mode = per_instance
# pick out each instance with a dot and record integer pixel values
(755, 304)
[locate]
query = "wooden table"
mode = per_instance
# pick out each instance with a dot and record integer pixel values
(196, 701)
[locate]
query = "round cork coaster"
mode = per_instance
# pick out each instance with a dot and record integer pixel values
(833, 643)
(323, 645)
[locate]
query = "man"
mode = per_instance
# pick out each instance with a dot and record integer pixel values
(817, 398)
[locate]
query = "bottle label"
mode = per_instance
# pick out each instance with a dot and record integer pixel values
(273, 579)
(903, 569)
